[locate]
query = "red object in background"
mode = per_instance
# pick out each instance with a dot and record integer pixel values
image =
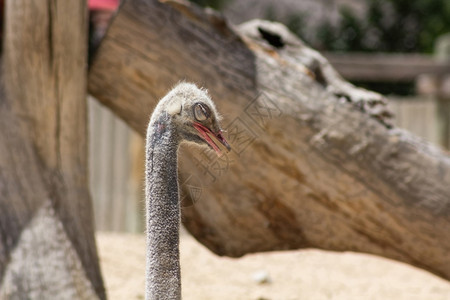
(103, 4)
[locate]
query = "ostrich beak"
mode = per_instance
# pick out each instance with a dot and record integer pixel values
(210, 136)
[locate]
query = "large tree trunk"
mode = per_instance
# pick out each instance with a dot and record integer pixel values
(47, 248)
(315, 161)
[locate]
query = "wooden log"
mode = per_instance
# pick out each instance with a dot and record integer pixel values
(315, 162)
(47, 245)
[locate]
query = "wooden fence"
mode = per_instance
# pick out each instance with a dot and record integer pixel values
(386, 67)
(417, 115)
(115, 171)
(117, 160)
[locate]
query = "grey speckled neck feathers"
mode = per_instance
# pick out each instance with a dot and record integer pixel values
(163, 212)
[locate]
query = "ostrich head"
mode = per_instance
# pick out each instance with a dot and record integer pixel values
(195, 117)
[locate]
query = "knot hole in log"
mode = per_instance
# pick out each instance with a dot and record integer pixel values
(272, 38)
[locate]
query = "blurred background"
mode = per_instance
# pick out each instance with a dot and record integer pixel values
(399, 48)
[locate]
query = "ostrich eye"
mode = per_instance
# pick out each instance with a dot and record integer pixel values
(201, 112)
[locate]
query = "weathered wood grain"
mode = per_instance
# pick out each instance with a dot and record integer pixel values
(315, 161)
(47, 245)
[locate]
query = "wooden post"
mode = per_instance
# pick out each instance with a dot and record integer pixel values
(442, 53)
(47, 243)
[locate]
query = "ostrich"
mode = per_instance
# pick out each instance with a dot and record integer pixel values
(186, 113)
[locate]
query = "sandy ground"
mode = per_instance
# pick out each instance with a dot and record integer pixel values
(307, 274)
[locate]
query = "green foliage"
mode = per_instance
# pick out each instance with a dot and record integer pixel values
(350, 34)
(399, 25)
(216, 4)
(297, 23)
(388, 26)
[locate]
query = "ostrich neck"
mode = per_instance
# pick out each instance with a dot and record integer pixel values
(163, 212)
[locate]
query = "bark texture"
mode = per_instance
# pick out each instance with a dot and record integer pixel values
(315, 161)
(47, 248)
